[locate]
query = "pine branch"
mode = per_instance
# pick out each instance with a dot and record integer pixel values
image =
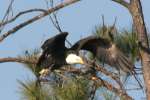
(100, 82)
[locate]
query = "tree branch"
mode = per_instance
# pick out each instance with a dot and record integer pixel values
(6, 15)
(104, 71)
(101, 69)
(21, 13)
(119, 92)
(123, 3)
(19, 59)
(16, 28)
(99, 82)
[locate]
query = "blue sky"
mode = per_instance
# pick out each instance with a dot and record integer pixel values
(78, 19)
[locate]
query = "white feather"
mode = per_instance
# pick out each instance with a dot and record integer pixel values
(74, 59)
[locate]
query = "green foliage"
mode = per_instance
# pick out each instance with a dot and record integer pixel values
(30, 91)
(73, 89)
(127, 42)
(32, 56)
(70, 89)
(102, 31)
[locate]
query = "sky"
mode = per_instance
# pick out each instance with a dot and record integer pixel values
(78, 19)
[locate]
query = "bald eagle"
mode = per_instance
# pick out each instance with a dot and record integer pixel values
(55, 54)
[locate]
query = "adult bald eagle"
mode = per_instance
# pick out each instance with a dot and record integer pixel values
(55, 54)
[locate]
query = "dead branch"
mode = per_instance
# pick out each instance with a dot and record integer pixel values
(21, 13)
(122, 2)
(6, 15)
(19, 59)
(101, 69)
(133, 89)
(8, 10)
(55, 20)
(119, 92)
(49, 11)
(104, 71)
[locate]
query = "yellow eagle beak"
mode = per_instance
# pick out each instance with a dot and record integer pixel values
(81, 61)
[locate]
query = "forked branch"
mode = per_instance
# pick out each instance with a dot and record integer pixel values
(49, 11)
(21, 13)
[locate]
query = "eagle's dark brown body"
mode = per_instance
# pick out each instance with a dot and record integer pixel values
(54, 52)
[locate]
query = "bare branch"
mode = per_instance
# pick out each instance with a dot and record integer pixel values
(55, 20)
(104, 71)
(50, 17)
(8, 10)
(107, 73)
(21, 13)
(18, 27)
(6, 15)
(100, 68)
(124, 95)
(122, 2)
(133, 89)
(19, 59)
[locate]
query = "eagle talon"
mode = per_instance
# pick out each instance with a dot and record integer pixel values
(44, 72)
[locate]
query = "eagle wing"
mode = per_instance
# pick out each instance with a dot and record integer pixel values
(105, 51)
(52, 48)
(90, 43)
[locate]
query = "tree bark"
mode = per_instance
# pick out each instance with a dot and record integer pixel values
(17, 59)
(138, 20)
(135, 9)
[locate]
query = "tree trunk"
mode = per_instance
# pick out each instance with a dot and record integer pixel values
(135, 10)
(138, 20)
